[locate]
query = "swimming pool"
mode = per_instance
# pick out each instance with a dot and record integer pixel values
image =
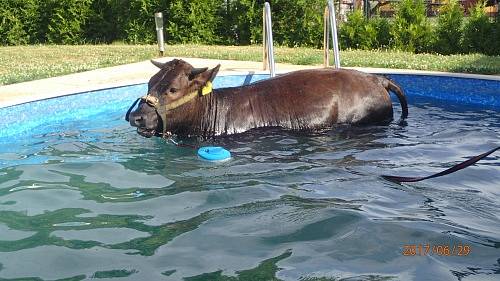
(83, 196)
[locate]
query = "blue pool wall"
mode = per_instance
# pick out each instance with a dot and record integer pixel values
(464, 91)
(37, 117)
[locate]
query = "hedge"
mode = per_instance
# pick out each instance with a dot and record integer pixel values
(19, 22)
(239, 22)
(449, 28)
(411, 31)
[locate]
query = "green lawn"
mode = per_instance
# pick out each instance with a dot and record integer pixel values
(24, 63)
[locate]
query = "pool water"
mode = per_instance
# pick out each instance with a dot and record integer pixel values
(83, 196)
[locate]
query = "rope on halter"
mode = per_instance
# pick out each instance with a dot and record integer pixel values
(162, 110)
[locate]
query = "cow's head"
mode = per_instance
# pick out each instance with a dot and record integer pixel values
(174, 85)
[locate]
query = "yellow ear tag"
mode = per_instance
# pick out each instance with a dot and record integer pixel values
(207, 89)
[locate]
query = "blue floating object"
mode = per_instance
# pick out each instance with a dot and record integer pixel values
(214, 153)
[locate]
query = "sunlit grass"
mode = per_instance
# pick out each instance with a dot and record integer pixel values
(24, 63)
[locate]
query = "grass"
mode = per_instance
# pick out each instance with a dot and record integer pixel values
(25, 63)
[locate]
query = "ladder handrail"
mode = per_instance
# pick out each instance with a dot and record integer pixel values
(268, 51)
(330, 26)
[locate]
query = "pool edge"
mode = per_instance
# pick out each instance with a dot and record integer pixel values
(139, 73)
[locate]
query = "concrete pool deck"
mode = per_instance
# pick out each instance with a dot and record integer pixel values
(137, 73)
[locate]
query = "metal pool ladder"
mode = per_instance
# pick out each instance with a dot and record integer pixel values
(268, 52)
(330, 26)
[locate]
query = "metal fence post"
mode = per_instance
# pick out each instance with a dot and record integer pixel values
(159, 32)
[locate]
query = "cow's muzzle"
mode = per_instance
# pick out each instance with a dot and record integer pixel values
(139, 120)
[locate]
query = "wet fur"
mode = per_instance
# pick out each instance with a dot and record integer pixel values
(300, 100)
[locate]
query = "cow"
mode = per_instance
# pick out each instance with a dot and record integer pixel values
(181, 101)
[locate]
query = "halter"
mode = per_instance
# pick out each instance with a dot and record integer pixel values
(163, 110)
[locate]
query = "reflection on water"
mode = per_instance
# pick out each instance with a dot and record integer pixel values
(88, 201)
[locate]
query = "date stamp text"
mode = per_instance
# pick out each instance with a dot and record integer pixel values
(459, 250)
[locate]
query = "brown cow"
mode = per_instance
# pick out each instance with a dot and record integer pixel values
(181, 101)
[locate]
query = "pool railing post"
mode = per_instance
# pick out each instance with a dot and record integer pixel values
(159, 32)
(330, 26)
(326, 39)
(267, 40)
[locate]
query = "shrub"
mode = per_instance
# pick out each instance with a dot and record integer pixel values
(249, 22)
(241, 22)
(297, 23)
(19, 20)
(177, 29)
(449, 28)
(101, 26)
(194, 21)
(360, 33)
(66, 19)
(128, 20)
(139, 22)
(496, 37)
(383, 32)
(477, 33)
(204, 18)
(411, 29)
(357, 32)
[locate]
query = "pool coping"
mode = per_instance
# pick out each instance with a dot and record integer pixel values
(139, 73)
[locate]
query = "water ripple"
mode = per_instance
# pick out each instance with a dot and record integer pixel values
(288, 206)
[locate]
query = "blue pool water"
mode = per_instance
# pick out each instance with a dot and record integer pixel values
(82, 196)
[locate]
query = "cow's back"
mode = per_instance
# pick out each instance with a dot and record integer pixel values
(325, 96)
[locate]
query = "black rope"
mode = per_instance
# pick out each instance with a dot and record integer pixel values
(397, 179)
(130, 109)
(455, 168)
(182, 144)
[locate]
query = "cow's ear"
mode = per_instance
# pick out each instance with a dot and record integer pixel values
(202, 77)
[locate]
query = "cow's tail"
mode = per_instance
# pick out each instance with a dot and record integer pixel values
(393, 87)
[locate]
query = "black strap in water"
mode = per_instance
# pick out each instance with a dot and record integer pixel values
(130, 109)
(455, 168)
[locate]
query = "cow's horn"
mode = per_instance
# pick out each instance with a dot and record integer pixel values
(158, 64)
(197, 71)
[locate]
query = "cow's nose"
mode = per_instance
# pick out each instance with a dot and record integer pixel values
(136, 120)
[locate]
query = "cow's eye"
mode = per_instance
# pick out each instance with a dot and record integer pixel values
(173, 90)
